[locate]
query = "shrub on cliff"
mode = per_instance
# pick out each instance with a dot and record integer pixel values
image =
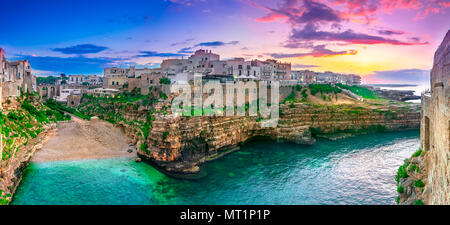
(417, 153)
(165, 134)
(400, 189)
(401, 173)
(418, 202)
(143, 146)
(419, 184)
(413, 168)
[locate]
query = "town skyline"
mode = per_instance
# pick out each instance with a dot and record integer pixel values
(359, 38)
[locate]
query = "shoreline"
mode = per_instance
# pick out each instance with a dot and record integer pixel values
(14, 171)
(40, 150)
(81, 140)
(227, 151)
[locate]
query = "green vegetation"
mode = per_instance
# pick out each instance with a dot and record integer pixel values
(24, 123)
(114, 108)
(400, 189)
(304, 94)
(63, 108)
(165, 134)
(417, 153)
(47, 80)
(361, 91)
(413, 168)
(401, 173)
(418, 202)
(4, 198)
(143, 146)
(164, 80)
(419, 184)
(323, 89)
(290, 97)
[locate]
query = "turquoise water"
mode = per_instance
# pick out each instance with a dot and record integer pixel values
(358, 170)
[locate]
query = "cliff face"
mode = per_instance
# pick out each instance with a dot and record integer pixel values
(24, 123)
(434, 160)
(436, 128)
(180, 144)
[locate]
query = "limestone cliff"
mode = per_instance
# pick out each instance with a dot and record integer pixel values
(24, 122)
(434, 159)
(181, 144)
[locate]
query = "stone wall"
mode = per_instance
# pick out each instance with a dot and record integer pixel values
(435, 128)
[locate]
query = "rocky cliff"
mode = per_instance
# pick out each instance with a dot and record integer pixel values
(425, 177)
(24, 122)
(181, 144)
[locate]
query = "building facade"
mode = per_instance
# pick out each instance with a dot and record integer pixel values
(308, 77)
(209, 64)
(16, 76)
(92, 80)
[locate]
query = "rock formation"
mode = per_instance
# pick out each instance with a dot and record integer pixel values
(181, 144)
(434, 159)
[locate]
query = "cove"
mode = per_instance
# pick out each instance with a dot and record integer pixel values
(357, 170)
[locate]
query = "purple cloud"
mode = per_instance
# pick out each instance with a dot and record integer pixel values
(310, 33)
(317, 51)
(81, 49)
(144, 54)
(390, 32)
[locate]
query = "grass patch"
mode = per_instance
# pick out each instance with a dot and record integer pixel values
(361, 91)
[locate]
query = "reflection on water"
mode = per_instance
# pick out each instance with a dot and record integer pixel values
(357, 170)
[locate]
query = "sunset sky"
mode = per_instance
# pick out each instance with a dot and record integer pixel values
(385, 41)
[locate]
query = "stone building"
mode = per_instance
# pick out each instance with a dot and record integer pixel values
(92, 80)
(116, 78)
(209, 64)
(144, 81)
(435, 128)
(15, 76)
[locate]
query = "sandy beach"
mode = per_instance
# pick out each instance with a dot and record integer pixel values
(80, 139)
